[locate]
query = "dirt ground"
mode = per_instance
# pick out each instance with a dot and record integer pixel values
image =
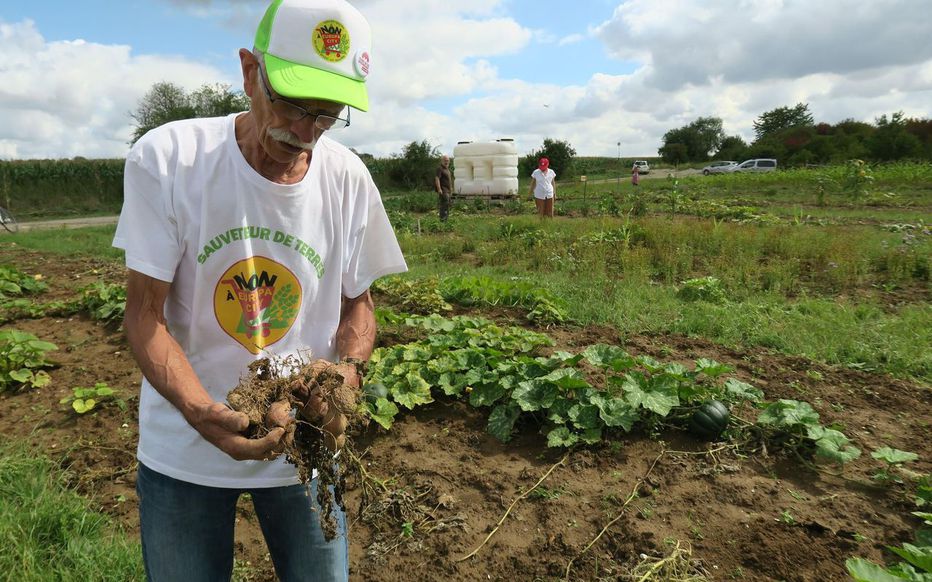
(437, 484)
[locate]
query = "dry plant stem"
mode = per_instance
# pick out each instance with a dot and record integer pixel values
(513, 503)
(634, 492)
(657, 566)
(365, 474)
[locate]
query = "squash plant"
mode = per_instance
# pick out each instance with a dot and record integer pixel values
(22, 357)
(83, 400)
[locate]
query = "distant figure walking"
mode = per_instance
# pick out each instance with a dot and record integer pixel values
(443, 184)
(544, 188)
(635, 176)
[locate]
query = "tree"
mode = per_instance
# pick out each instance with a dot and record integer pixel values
(217, 100)
(701, 138)
(732, 148)
(414, 168)
(166, 102)
(674, 153)
(891, 141)
(560, 153)
(782, 118)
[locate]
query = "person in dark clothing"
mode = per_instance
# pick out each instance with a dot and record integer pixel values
(443, 184)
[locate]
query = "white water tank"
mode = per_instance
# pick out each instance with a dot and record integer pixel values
(489, 168)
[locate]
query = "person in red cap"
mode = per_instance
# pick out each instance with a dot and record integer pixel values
(544, 188)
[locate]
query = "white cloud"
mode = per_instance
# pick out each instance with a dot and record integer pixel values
(571, 39)
(73, 98)
(435, 75)
(693, 41)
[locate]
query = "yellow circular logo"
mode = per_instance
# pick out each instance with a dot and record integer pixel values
(256, 301)
(331, 40)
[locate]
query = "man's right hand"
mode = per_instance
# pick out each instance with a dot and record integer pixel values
(223, 428)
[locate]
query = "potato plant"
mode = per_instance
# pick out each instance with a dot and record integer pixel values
(287, 384)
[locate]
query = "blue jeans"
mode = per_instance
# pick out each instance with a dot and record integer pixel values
(187, 531)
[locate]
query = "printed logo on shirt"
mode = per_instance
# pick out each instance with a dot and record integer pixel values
(256, 301)
(331, 40)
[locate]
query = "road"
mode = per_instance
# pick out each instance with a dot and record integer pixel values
(67, 223)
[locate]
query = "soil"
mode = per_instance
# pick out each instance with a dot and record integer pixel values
(444, 484)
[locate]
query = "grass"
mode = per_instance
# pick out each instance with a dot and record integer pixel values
(49, 532)
(89, 241)
(823, 292)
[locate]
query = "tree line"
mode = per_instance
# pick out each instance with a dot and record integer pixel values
(791, 135)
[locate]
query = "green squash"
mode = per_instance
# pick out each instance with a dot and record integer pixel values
(710, 420)
(375, 391)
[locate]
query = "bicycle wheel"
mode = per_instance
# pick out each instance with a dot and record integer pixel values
(8, 220)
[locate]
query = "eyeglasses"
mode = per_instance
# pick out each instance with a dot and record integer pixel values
(294, 112)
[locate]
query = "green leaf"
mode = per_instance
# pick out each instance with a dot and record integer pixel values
(567, 379)
(559, 411)
(924, 536)
(561, 437)
(650, 364)
(41, 379)
(894, 456)
(82, 406)
(502, 421)
(411, 391)
(659, 398)
(742, 390)
(833, 445)
(591, 436)
(788, 413)
(711, 368)
(24, 375)
(865, 571)
(382, 411)
(585, 416)
(615, 412)
(676, 370)
(606, 356)
(486, 394)
(40, 345)
(535, 394)
(918, 557)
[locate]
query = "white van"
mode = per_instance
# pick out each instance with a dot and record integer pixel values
(642, 166)
(757, 165)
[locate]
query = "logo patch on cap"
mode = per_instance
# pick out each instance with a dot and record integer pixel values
(362, 63)
(331, 40)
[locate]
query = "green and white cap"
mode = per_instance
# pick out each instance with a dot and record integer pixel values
(316, 49)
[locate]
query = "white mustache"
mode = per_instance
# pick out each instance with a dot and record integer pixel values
(290, 139)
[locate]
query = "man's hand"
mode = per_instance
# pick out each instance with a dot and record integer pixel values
(223, 428)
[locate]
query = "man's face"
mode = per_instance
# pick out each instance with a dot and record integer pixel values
(282, 137)
(445, 162)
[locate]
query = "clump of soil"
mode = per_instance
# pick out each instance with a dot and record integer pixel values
(289, 384)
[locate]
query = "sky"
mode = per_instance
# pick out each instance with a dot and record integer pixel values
(608, 76)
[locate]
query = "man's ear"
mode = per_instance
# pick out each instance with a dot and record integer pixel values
(250, 67)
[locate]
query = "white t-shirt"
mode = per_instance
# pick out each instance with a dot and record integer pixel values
(543, 186)
(258, 269)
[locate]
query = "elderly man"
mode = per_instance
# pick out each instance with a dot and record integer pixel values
(250, 236)
(443, 184)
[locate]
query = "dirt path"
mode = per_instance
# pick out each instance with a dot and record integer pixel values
(68, 223)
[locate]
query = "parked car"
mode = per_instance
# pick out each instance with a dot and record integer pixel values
(722, 167)
(642, 166)
(757, 165)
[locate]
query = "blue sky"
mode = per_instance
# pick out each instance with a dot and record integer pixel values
(590, 72)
